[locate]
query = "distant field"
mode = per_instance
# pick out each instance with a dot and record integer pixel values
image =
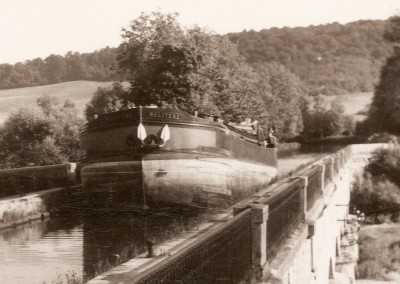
(353, 103)
(80, 92)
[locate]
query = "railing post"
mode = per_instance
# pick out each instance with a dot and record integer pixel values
(259, 217)
(329, 168)
(303, 196)
(341, 159)
(321, 171)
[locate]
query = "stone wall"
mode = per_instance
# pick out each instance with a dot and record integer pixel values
(324, 249)
(16, 211)
(23, 208)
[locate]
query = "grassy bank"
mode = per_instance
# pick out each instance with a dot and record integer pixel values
(377, 194)
(379, 252)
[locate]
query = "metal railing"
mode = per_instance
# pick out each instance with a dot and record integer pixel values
(313, 189)
(223, 256)
(336, 163)
(328, 169)
(285, 213)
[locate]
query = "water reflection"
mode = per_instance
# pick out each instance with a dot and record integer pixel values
(38, 252)
(83, 246)
(113, 239)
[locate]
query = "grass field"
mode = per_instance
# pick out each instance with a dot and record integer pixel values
(353, 103)
(80, 92)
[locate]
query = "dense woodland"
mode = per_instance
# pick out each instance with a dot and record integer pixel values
(329, 59)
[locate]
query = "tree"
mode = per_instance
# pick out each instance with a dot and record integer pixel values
(145, 39)
(323, 118)
(46, 134)
(189, 70)
(107, 100)
(167, 80)
(75, 67)
(65, 122)
(384, 113)
(283, 94)
(56, 69)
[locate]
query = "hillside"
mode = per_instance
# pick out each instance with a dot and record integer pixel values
(79, 92)
(330, 59)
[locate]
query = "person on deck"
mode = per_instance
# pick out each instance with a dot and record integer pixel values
(271, 139)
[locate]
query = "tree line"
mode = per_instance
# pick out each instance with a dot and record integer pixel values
(330, 59)
(97, 66)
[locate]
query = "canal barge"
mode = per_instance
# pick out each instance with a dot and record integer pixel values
(146, 155)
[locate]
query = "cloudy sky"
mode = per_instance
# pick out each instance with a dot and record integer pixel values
(38, 28)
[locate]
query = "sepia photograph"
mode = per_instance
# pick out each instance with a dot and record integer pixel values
(184, 141)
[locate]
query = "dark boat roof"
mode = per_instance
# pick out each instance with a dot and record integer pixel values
(156, 115)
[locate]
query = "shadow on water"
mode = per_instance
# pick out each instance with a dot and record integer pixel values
(87, 244)
(111, 239)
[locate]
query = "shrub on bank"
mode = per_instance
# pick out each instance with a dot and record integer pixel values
(377, 192)
(385, 164)
(375, 198)
(379, 252)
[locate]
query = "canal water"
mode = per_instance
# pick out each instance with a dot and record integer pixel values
(79, 246)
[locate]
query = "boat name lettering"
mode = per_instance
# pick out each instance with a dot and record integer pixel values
(164, 115)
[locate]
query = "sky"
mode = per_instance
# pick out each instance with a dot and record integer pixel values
(38, 28)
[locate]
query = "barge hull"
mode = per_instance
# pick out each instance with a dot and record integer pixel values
(201, 181)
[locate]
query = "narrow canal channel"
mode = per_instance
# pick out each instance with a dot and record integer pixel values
(80, 246)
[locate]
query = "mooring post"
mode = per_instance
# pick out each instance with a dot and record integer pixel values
(150, 250)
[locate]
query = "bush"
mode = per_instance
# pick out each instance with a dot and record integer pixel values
(375, 198)
(377, 192)
(379, 252)
(385, 164)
